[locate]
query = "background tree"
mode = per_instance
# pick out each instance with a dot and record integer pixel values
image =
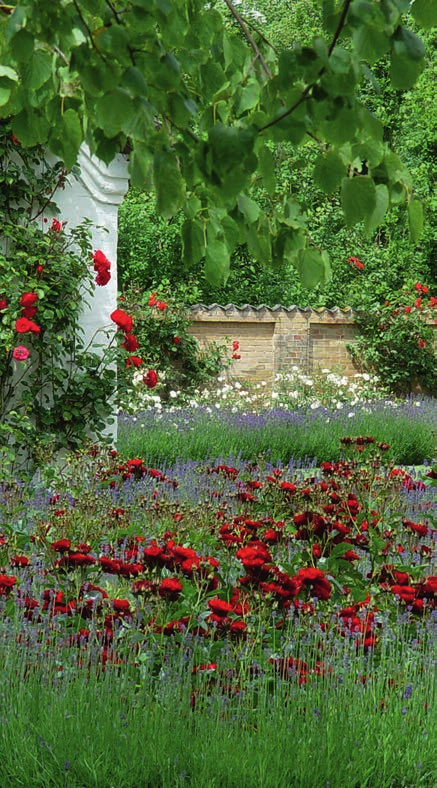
(150, 247)
(200, 97)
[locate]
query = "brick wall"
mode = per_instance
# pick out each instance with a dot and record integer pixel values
(274, 339)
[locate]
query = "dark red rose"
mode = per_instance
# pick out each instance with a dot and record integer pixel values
(170, 588)
(20, 560)
(62, 545)
(100, 261)
(6, 583)
(121, 605)
(219, 607)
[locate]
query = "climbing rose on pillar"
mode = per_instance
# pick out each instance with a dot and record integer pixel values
(28, 300)
(23, 325)
(122, 320)
(133, 361)
(20, 353)
(103, 266)
(130, 343)
(56, 226)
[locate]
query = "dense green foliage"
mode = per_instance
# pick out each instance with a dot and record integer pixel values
(202, 99)
(398, 341)
(150, 247)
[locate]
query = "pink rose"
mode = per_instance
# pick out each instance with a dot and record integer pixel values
(20, 353)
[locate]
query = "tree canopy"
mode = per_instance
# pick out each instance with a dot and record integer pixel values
(200, 99)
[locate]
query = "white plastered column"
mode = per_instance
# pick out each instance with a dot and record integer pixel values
(96, 195)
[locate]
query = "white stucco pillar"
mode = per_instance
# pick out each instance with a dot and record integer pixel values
(96, 195)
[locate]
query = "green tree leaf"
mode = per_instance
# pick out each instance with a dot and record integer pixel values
(329, 171)
(140, 166)
(22, 46)
(66, 138)
(259, 241)
(425, 13)
(217, 263)
(5, 94)
(169, 184)
(10, 73)
(313, 268)
(407, 60)
(358, 198)
(193, 242)
(115, 111)
(249, 208)
(381, 207)
(370, 43)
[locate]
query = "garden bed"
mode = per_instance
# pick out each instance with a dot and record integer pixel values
(240, 622)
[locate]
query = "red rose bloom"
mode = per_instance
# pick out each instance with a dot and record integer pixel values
(130, 343)
(235, 345)
(150, 379)
(320, 586)
(20, 560)
(176, 340)
(23, 325)
(3, 304)
(72, 560)
(356, 263)
(62, 545)
(102, 278)
(56, 226)
(29, 312)
(121, 605)
(170, 588)
(100, 261)
(219, 607)
(28, 299)
(6, 583)
(102, 265)
(134, 361)
(122, 320)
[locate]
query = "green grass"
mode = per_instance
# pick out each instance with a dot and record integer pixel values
(277, 436)
(127, 728)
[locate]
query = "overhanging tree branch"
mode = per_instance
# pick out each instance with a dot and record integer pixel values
(306, 91)
(249, 37)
